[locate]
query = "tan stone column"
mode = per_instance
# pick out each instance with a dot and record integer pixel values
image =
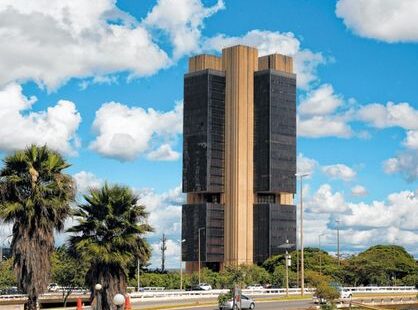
(239, 64)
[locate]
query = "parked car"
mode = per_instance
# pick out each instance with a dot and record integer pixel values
(255, 287)
(205, 286)
(199, 287)
(344, 293)
(53, 287)
(246, 303)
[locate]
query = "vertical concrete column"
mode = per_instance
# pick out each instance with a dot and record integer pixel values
(239, 64)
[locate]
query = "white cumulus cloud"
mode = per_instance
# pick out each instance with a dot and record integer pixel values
(411, 140)
(358, 191)
(385, 20)
(182, 20)
(325, 201)
(164, 152)
(390, 115)
(86, 180)
(126, 132)
(405, 163)
(339, 171)
(164, 210)
(56, 127)
(320, 101)
(320, 126)
(52, 41)
(361, 224)
(305, 165)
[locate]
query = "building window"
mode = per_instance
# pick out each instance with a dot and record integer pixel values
(266, 198)
(213, 198)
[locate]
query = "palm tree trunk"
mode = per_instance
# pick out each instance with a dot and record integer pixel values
(32, 304)
(113, 281)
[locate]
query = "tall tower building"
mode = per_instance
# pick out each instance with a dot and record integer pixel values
(239, 157)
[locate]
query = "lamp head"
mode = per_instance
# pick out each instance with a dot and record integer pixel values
(119, 299)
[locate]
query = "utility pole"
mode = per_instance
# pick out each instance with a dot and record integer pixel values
(199, 230)
(287, 258)
(181, 263)
(137, 275)
(163, 249)
(297, 266)
(302, 267)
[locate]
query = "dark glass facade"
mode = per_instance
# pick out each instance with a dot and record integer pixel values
(210, 217)
(203, 131)
(274, 131)
(273, 225)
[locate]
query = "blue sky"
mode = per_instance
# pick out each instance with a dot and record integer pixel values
(103, 83)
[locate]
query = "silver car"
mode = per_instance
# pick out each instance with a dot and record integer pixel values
(246, 303)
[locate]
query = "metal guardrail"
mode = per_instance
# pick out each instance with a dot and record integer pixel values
(280, 291)
(214, 293)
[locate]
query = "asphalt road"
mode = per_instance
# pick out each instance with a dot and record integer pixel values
(264, 305)
(296, 304)
(268, 304)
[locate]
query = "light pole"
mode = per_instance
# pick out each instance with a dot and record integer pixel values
(287, 258)
(302, 267)
(199, 230)
(338, 240)
(297, 265)
(119, 300)
(97, 289)
(181, 263)
(320, 253)
(137, 275)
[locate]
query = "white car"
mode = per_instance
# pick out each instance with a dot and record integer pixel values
(205, 286)
(246, 303)
(345, 294)
(53, 287)
(255, 287)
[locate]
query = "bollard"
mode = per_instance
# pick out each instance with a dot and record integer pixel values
(128, 305)
(79, 304)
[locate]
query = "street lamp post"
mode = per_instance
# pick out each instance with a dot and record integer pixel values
(338, 240)
(137, 275)
(119, 300)
(287, 257)
(199, 230)
(302, 267)
(97, 289)
(181, 263)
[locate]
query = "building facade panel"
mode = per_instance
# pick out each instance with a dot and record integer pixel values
(275, 132)
(273, 225)
(203, 131)
(210, 217)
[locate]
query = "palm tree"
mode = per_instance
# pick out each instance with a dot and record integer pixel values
(109, 235)
(35, 199)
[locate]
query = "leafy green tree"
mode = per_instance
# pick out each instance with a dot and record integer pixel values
(278, 278)
(380, 265)
(109, 235)
(36, 197)
(243, 275)
(7, 276)
(327, 292)
(67, 271)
